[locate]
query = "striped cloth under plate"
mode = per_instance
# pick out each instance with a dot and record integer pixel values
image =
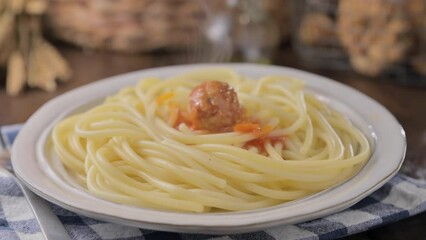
(399, 198)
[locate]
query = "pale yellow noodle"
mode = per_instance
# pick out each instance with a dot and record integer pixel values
(126, 149)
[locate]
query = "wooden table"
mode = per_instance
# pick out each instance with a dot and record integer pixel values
(407, 103)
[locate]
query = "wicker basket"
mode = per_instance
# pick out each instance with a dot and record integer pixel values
(136, 25)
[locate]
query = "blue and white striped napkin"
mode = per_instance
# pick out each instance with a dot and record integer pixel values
(400, 198)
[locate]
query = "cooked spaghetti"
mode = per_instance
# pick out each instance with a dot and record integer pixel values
(153, 144)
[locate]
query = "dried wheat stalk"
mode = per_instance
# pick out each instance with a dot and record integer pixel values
(30, 59)
(15, 73)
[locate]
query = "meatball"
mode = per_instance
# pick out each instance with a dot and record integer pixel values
(214, 106)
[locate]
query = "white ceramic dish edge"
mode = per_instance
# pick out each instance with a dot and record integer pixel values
(382, 122)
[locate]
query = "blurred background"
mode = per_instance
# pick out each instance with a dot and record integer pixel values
(48, 47)
(373, 38)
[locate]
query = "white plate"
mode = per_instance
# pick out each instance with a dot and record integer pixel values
(34, 166)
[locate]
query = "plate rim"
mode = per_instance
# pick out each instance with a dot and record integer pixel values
(203, 226)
